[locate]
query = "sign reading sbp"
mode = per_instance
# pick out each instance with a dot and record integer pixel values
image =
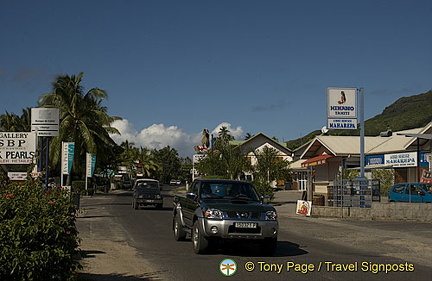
(342, 108)
(45, 121)
(17, 147)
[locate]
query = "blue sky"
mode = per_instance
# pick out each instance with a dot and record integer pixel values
(172, 68)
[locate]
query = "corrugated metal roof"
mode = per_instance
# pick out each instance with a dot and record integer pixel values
(395, 142)
(261, 138)
(350, 145)
(340, 145)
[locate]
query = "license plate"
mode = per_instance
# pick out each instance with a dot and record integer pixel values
(245, 225)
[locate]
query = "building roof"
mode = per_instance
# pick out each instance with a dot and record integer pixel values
(350, 145)
(260, 139)
(338, 145)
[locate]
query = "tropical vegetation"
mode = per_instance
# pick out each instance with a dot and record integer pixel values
(228, 161)
(38, 236)
(83, 120)
(10, 122)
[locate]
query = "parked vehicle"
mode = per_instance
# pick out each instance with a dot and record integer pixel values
(175, 182)
(147, 192)
(219, 210)
(127, 184)
(416, 192)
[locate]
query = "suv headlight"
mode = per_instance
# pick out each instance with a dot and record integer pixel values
(213, 214)
(271, 216)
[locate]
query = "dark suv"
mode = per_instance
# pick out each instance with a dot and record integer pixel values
(147, 192)
(219, 209)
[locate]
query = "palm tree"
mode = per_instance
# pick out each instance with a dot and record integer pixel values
(224, 134)
(83, 119)
(248, 136)
(224, 160)
(129, 154)
(169, 163)
(149, 166)
(25, 120)
(10, 122)
(270, 166)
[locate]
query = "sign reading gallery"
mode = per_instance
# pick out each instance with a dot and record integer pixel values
(17, 147)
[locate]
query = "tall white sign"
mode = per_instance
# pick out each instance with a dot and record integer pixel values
(342, 108)
(68, 150)
(90, 164)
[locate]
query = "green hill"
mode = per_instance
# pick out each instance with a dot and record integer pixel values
(406, 113)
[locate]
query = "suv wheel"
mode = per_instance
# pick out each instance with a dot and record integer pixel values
(134, 205)
(200, 243)
(179, 233)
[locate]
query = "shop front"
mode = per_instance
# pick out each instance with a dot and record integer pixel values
(408, 166)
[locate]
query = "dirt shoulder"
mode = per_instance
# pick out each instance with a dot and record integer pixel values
(106, 254)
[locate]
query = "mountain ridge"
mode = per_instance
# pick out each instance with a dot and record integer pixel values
(405, 113)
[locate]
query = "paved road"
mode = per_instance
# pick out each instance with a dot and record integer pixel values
(320, 249)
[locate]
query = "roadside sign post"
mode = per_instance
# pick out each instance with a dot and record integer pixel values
(342, 112)
(90, 167)
(17, 148)
(344, 106)
(45, 122)
(67, 156)
(362, 133)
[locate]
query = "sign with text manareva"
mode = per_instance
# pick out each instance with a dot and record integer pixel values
(342, 108)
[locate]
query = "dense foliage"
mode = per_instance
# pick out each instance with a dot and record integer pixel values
(83, 120)
(38, 236)
(223, 161)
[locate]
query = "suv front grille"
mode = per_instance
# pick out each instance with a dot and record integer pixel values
(243, 215)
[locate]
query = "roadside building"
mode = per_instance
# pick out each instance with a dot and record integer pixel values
(257, 143)
(327, 157)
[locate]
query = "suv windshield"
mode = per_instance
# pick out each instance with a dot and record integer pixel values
(144, 186)
(240, 191)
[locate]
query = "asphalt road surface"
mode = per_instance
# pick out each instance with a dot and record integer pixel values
(308, 249)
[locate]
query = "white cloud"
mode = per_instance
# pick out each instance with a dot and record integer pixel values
(126, 129)
(158, 136)
(237, 133)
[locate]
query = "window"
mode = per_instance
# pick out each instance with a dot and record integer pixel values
(399, 189)
(427, 188)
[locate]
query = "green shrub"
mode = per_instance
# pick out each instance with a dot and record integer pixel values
(78, 187)
(264, 188)
(38, 236)
(386, 177)
(90, 191)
